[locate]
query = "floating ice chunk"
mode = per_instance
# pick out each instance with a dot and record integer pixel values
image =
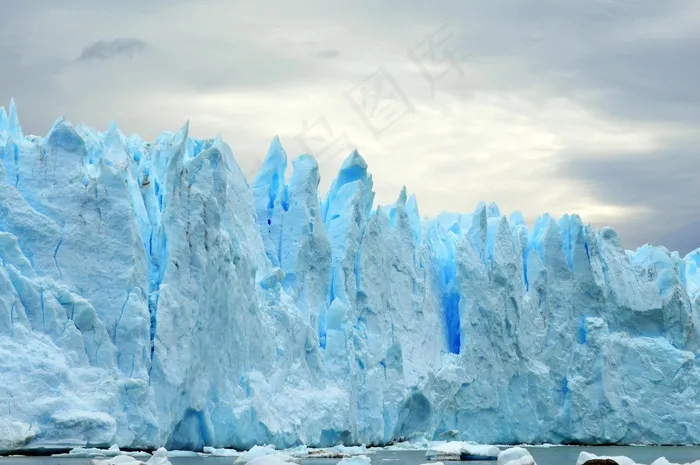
(515, 456)
(664, 461)
(273, 459)
(584, 457)
(182, 453)
(221, 452)
(409, 445)
(263, 451)
(93, 452)
(336, 452)
(352, 450)
(254, 453)
(118, 460)
(160, 457)
(356, 460)
(299, 451)
(458, 450)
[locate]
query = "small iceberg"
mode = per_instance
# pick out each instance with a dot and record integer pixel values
(664, 461)
(584, 457)
(461, 451)
(160, 457)
(515, 456)
(257, 452)
(216, 452)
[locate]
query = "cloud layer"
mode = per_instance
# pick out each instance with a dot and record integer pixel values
(538, 105)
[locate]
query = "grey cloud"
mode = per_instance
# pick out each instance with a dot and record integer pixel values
(330, 53)
(663, 182)
(105, 50)
(537, 49)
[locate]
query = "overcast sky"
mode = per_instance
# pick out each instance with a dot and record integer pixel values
(589, 107)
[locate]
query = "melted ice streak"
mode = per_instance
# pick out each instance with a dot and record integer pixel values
(149, 296)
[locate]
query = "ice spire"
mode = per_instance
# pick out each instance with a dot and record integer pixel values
(3, 119)
(354, 168)
(274, 167)
(13, 127)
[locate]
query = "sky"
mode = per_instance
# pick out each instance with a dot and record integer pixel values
(558, 106)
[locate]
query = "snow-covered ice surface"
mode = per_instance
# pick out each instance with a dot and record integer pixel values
(149, 296)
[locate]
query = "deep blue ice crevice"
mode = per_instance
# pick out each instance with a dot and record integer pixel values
(58, 246)
(443, 251)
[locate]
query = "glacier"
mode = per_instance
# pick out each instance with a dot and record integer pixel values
(150, 296)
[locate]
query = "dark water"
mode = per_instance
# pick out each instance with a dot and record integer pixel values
(543, 456)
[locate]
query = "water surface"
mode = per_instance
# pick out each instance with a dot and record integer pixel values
(543, 455)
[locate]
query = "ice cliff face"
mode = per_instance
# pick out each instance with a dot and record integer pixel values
(149, 296)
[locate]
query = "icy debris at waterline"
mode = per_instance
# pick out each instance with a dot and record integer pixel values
(186, 453)
(274, 459)
(356, 460)
(173, 304)
(340, 451)
(160, 457)
(90, 452)
(585, 457)
(300, 452)
(461, 451)
(262, 451)
(663, 461)
(214, 452)
(515, 456)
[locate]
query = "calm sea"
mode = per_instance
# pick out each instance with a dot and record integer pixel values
(543, 456)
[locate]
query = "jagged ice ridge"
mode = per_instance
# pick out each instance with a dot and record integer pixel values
(149, 296)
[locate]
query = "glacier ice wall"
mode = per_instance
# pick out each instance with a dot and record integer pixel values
(149, 296)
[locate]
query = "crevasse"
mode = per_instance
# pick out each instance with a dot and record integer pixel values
(149, 296)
